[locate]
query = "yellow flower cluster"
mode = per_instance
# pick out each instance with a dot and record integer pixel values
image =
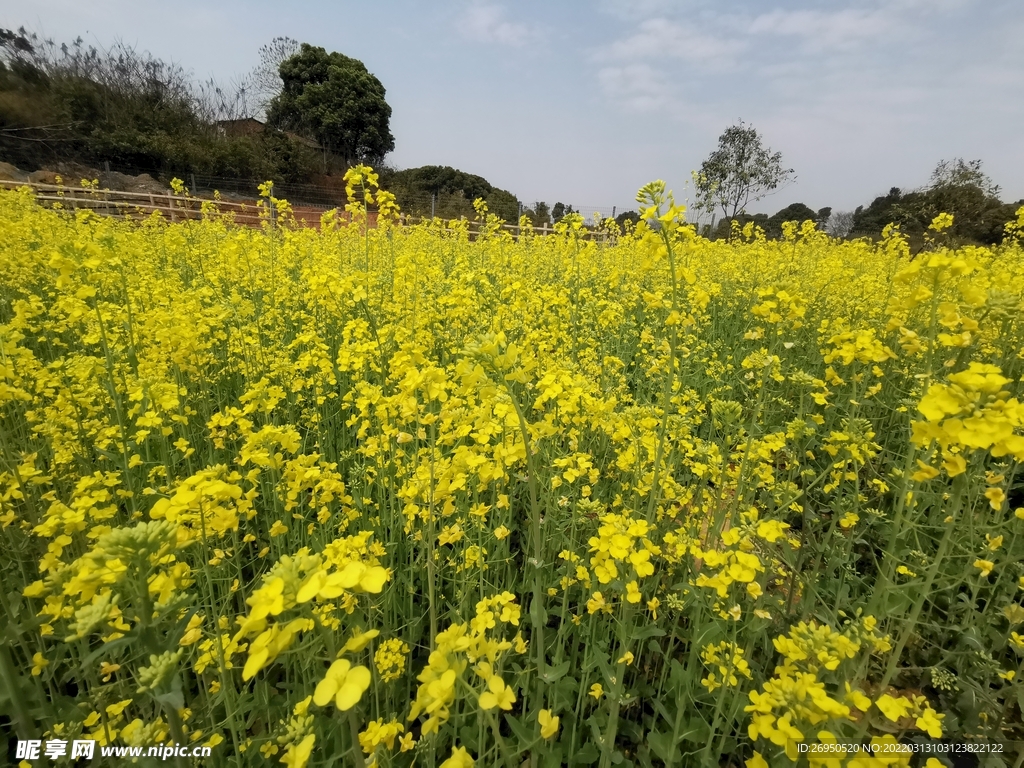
(728, 659)
(390, 659)
(345, 569)
(796, 703)
(973, 411)
(620, 540)
(737, 561)
(461, 645)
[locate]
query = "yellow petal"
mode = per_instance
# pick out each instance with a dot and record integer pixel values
(351, 691)
(327, 687)
(373, 580)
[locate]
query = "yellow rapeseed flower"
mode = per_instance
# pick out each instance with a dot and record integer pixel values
(297, 755)
(344, 684)
(548, 723)
(497, 695)
(38, 663)
(984, 566)
(460, 758)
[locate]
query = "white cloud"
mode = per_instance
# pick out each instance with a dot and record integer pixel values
(660, 38)
(639, 87)
(485, 22)
(791, 53)
(631, 10)
(842, 29)
(647, 70)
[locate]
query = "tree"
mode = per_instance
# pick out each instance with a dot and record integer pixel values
(446, 192)
(798, 212)
(870, 221)
(438, 179)
(249, 95)
(960, 173)
(739, 172)
(540, 215)
(957, 187)
(840, 223)
(503, 204)
(631, 216)
(961, 188)
(724, 228)
(560, 210)
(335, 100)
(79, 103)
(265, 79)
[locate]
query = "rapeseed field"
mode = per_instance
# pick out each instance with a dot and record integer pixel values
(412, 495)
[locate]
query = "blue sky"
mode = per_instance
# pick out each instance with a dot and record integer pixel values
(584, 102)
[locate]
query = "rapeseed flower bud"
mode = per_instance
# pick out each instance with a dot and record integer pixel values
(390, 659)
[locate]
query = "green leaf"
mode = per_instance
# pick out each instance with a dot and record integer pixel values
(525, 734)
(552, 757)
(538, 615)
(586, 756)
(898, 602)
(566, 688)
(107, 650)
(468, 737)
(554, 674)
(677, 677)
(173, 698)
(661, 744)
(595, 728)
(659, 707)
(652, 630)
(695, 731)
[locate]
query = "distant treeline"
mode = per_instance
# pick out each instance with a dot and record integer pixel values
(449, 193)
(446, 192)
(958, 187)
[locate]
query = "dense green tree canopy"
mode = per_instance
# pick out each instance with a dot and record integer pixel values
(540, 214)
(437, 179)
(798, 212)
(772, 225)
(560, 210)
(957, 187)
(447, 192)
(333, 99)
(631, 216)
